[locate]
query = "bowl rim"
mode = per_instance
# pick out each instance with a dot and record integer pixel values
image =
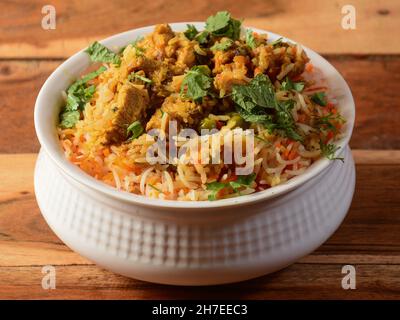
(54, 150)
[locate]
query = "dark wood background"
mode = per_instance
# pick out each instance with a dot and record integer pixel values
(368, 58)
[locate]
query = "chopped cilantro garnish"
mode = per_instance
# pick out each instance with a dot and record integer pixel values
(191, 32)
(135, 129)
(78, 94)
(69, 118)
(250, 40)
(215, 187)
(256, 102)
(241, 181)
(222, 25)
(135, 75)
(202, 37)
(329, 151)
(276, 42)
(196, 82)
(100, 53)
(328, 121)
(319, 98)
(290, 85)
(222, 46)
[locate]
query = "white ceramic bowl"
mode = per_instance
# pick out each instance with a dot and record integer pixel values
(187, 242)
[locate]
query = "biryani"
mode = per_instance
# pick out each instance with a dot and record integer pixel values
(254, 113)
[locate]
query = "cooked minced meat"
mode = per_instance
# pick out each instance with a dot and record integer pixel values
(131, 106)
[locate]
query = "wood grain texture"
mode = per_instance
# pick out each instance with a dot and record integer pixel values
(368, 58)
(369, 238)
(316, 24)
(378, 115)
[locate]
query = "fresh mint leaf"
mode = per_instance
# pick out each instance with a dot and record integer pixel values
(250, 40)
(222, 24)
(257, 102)
(99, 53)
(319, 98)
(196, 83)
(222, 46)
(191, 32)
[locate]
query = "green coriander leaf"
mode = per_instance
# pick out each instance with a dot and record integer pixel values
(222, 24)
(94, 74)
(285, 120)
(222, 46)
(134, 75)
(135, 129)
(257, 102)
(69, 118)
(276, 42)
(215, 187)
(196, 83)
(202, 37)
(298, 86)
(191, 32)
(139, 51)
(319, 98)
(326, 122)
(258, 94)
(250, 40)
(242, 181)
(78, 94)
(99, 53)
(290, 85)
(329, 151)
(218, 22)
(246, 180)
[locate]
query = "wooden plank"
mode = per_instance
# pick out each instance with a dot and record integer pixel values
(20, 82)
(378, 113)
(383, 157)
(26, 253)
(299, 281)
(374, 84)
(316, 24)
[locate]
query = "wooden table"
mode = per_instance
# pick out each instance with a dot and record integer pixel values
(368, 58)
